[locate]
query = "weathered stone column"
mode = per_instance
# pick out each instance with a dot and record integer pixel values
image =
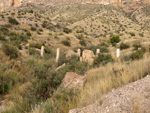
(118, 53)
(57, 54)
(97, 52)
(79, 52)
(42, 51)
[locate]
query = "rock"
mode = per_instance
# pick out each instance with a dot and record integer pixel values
(73, 80)
(88, 56)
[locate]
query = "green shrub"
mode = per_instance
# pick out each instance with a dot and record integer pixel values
(102, 59)
(47, 80)
(66, 42)
(124, 46)
(49, 52)
(104, 49)
(115, 39)
(104, 44)
(80, 37)
(67, 30)
(82, 42)
(136, 46)
(126, 58)
(137, 55)
(37, 45)
(132, 34)
(30, 11)
(33, 29)
(10, 51)
(13, 21)
(33, 52)
(28, 34)
(2, 38)
(73, 64)
(4, 30)
(61, 101)
(18, 37)
(7, 80)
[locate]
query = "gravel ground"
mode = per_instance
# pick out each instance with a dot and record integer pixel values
(131, 98)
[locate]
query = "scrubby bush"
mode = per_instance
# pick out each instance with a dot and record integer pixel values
(10, 51)
(67, 30)
(28, 34)
(49, 53)
(13, 21)
(124, 46)
(47, 80)
(115, 39)
(141, 34)
(62, 100)
(37, 45)
(7, 80)
(18, 37)
(104, 44)
(66, 42)
(33, 29)
(102, 59)
(136, 46)
(136, 55)
(34, 52)
(2, 38)
(73, 64)
(104, 49)
(132, 34)
(30, 11)
(4, 30)
(82, 42)
(80, 37)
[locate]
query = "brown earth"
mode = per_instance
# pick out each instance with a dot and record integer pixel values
(4, 4)
(132, 98)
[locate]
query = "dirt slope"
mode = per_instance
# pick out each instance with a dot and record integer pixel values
(132, 98)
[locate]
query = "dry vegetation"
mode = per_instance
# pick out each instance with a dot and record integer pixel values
(31, 84)
(102, 80)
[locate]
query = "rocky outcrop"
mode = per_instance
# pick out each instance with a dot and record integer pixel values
(87, 56)
(73, 80)
(4, 4)
(132, 98)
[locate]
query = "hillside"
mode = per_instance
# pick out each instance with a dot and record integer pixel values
(32, 72)
(7, 4)
(129, 98)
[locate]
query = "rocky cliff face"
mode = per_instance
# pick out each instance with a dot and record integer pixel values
(15, 3)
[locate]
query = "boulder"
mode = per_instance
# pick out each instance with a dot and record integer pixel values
(88, 56)
(73, 80)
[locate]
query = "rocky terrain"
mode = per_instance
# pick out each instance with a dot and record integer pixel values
(6, 4)
(58, 55)
(132, 98)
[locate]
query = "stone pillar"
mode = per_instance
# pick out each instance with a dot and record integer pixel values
(79, 52)
(118, 53)
(42, 51)
(57, 54)
(97, 52)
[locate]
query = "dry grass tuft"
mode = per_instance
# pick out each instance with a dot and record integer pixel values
(104, 79)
